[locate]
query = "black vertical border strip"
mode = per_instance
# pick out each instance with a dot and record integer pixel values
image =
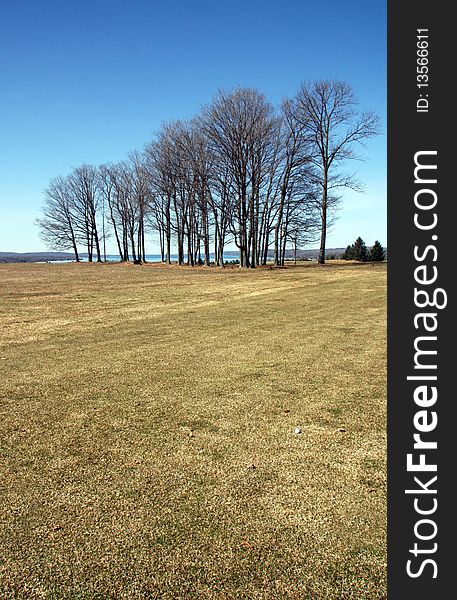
(408, 133)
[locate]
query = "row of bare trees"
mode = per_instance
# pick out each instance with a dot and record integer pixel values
(239, 173)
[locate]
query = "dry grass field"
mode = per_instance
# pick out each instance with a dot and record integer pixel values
(147, 443)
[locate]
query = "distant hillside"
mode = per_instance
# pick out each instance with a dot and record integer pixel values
(34, 256)
(314, 253)
(229, 254)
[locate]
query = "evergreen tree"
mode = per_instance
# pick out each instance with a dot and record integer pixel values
(360, 250)
(377, 253)
(348, 254)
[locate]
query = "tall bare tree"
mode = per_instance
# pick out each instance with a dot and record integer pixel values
(140, 200)
(83, 183)
(237, 125)
(107, 186)
(159, 157)
(335, 127)
(294, 166)
(58, 224)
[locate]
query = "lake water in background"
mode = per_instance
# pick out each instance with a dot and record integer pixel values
(228, 256)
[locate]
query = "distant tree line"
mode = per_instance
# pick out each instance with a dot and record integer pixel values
(359, 251)
(239, 172)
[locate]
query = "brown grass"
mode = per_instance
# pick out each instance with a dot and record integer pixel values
(147, 432)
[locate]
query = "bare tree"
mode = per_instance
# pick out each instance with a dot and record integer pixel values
(83, 184)
(222, 206)
(159, 157)
(140, 201)
(155, 220)
(58, 225)
(126, 190)
(334, 126)
(237, 125)
(301, 222)
(107, 186)
(181, 159)
(294, 173)
(198, 159)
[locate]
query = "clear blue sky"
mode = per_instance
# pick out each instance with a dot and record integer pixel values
(90, 81)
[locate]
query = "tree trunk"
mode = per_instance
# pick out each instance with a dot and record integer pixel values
(220, 256)
(132, 244)
(278, 225)
(73, 242)
(190, 257)
(253, 233)
(103, 231)
(89, 247)
(97, 241)
(276, 246)
(324, 222)
(216, 246)
(125, 244)
(116, 235)
(161, 242)
(168, 232)
(141, 249)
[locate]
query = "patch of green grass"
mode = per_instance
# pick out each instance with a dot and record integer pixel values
(147, 444)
